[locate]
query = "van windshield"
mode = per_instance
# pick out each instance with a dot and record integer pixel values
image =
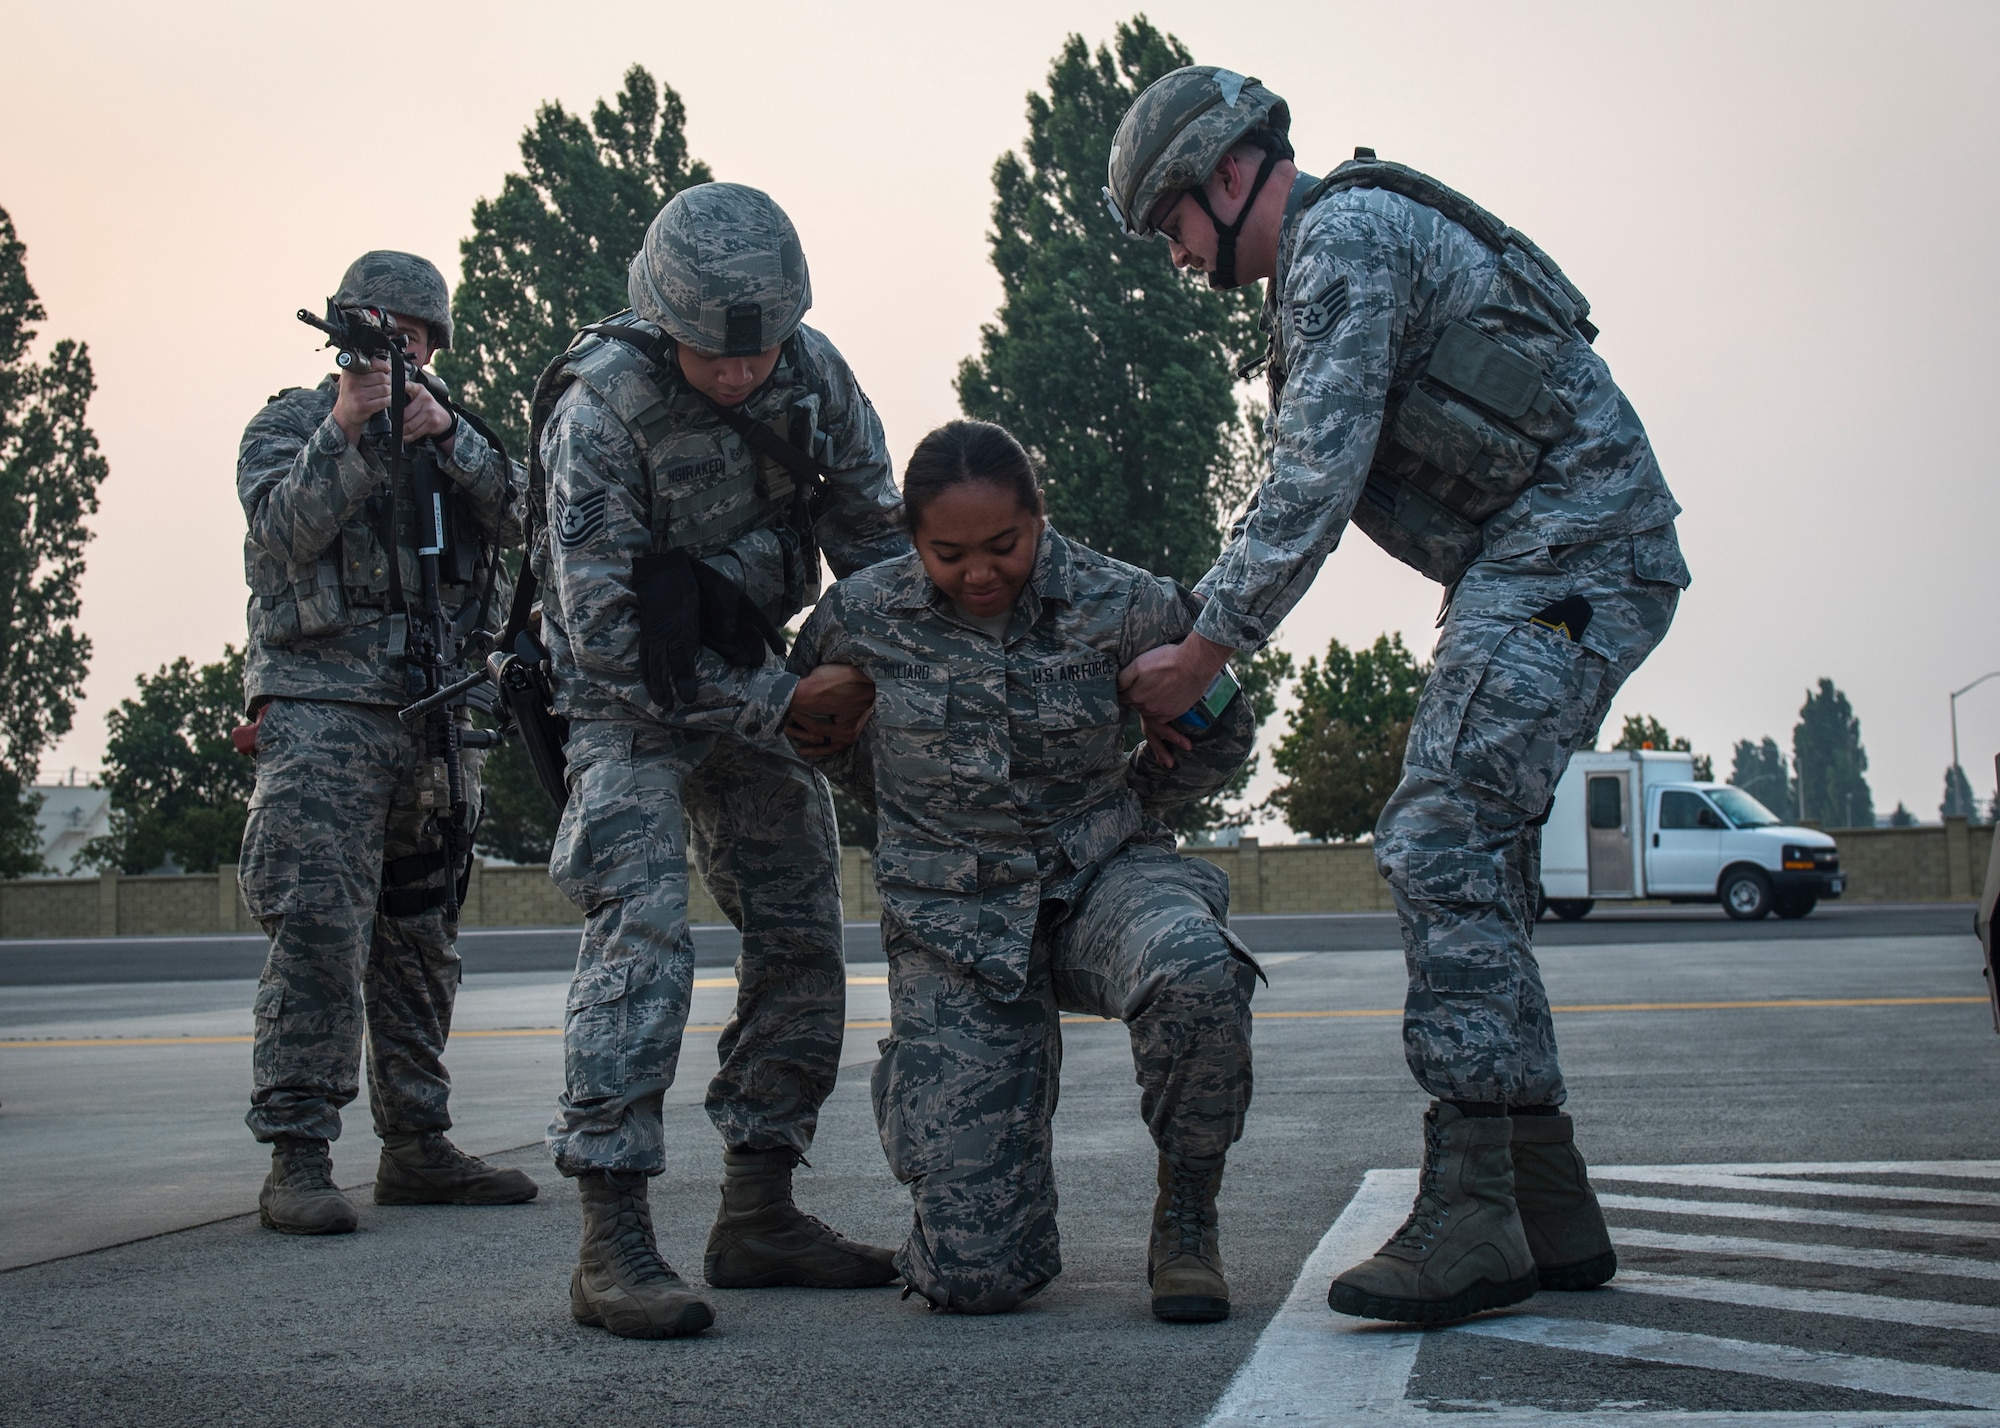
(1741, 809)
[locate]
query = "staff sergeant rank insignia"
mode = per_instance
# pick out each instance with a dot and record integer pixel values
(580, 521)
(1313, 320)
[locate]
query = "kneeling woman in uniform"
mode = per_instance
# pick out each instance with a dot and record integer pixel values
(1023, 873)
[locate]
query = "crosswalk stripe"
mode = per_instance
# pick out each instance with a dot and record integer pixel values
(1966, 1388)
(1847, 1256)
(1676, 1174)
(1923, 1313)
(1830, 1189)
(1799, 1215)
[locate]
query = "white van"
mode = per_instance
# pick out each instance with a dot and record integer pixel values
(1629, 825)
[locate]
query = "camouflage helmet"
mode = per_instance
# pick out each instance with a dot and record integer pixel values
(1176, 132)
(399, 282)
(722, 270)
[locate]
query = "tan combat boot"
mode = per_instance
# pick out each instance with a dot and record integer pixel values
(1184, 1260)
(423, 1168)
(620, 1282)
(762, 1240)
(1462, 1248)
(1559, 1210)
(299, 1196)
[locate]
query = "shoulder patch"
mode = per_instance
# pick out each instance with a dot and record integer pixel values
(1315, 318)
(579, 522)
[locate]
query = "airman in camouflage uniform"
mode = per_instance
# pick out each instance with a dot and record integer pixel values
(1432, 379)
(342, 861)
(1022, 875)
(647, 463)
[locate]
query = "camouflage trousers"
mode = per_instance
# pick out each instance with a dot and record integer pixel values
(966, 1087)
(1459, 841)
(761, 826)
(334, 817)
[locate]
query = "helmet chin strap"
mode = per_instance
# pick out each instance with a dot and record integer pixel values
(1226, 234)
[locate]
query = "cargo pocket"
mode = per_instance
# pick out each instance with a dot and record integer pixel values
(1456, 882)
(594, 1032)
(268, 867)
(266, 1055)
(914, 1143)
(1526, 715)
(1081, 724)
(1656, 556)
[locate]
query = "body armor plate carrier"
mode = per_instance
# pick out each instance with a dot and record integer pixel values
(1466, 434)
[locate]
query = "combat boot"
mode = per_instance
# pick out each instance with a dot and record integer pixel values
(299, 1196)
(423, 1168)
(620, 1282)
(1184, 1259)
(1559, 1210)
(1462, 1249)
(762, 1240)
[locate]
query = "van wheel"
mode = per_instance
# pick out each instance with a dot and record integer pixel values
(1746, 894)
(1572, 909)
(1794, 907)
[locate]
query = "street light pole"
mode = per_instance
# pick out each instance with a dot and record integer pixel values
(1994, 674)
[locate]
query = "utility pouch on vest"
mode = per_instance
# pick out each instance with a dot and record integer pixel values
(322, 611)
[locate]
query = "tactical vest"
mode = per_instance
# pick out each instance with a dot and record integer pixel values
(1466, 434)
(347, 588)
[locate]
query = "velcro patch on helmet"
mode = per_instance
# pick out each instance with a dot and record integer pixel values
(1314, 319)
(744, 333)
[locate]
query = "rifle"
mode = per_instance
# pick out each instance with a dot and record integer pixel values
(433, 639)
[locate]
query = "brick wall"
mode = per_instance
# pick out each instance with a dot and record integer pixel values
(1883, 865)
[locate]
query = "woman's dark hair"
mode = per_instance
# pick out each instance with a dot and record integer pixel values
(962, 451)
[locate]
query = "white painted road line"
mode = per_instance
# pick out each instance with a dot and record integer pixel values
(1923, 1313)
(1794, 1215)
(1312, 1366)
(1704, 1179)
(1677, 1174)
(1847, 1256)
(1965, 1388)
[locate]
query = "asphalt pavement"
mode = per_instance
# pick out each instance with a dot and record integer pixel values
(1793, 1125)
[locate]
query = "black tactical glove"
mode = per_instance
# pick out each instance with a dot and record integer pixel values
(730, 624)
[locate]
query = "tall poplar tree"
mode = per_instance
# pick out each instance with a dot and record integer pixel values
(50, 470)
(1832, 766)
(1760, 770)
(1114, 370)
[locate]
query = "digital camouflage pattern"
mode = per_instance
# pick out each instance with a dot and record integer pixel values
(1021, 877)
(402, 283)
(637, 460)
(1369, 283)
(320, 626)
(1459, 842)
(762, 829)
(337, 799)
(1177, 131)
(721, 269)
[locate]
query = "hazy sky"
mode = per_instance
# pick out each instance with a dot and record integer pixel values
(1784, 216)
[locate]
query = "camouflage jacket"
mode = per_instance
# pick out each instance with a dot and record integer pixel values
(998, 768)
(620, 487)
(320, 626)
(1368, 284)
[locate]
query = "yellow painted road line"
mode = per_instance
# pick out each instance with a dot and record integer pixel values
(121, 1041)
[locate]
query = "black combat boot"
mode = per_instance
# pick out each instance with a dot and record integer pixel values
(1184, 1258)
(762, 1240)
(620, 1282)
(1462, 1249)
(299, 1196)
(1559, 1210)
(423, 1168)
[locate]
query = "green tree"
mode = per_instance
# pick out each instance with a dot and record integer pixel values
(1958, 799)
(1112, 368)
(1902, 818)
(549, 254)
(545, 257)
(1643, 731)
(1760, 770)
(178, 787)
(50, 470)
(1832, 766)
(1343, 752)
